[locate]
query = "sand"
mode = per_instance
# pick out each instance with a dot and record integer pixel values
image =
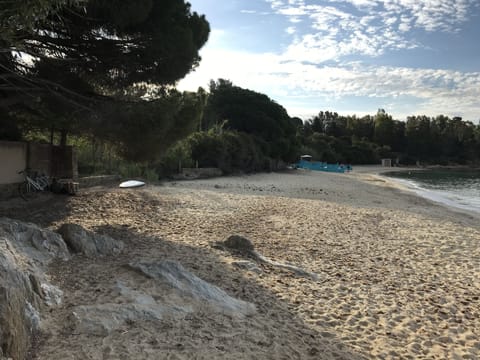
(398, 276)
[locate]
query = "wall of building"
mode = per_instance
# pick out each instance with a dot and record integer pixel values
(387, 162)
(53, 161)
(13, 158)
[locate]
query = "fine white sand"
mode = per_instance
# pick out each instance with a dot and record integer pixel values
(398, 276)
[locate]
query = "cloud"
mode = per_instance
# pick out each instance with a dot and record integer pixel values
(291, 30)
(376, 26)
(295, 83)
(315, 68)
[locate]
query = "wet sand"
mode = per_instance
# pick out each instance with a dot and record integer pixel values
(398, 275)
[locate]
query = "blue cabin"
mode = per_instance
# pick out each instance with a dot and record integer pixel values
(307, 163)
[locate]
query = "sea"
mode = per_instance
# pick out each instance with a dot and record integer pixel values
(453, 187)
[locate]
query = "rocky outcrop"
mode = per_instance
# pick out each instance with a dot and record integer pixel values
(36, 245)
(172, 293)
(130, 306)
(187, 284)
(82, 241)
(25, 250)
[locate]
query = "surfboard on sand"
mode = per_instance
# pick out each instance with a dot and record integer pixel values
(131, 184)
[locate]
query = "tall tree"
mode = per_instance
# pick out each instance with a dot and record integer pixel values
(80, 53)
(384, 128)
(255, 114)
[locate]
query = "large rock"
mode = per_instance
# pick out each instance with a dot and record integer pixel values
(101, 320)
(36, 245)
(130, 306)
(88, 243)
(173, 293)
(25, 250)
(174, 275)
(16, 297)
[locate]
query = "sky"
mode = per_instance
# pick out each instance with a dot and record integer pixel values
(408, 57)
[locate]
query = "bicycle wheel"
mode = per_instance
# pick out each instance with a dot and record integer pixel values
(25, 191)
(42, 181)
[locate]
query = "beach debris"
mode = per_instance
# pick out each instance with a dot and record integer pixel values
(131, 184)
(244, 246)
(89, 243)
(247, 265)
(295, 269)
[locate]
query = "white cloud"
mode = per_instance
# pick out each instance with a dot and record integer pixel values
(376, 26)
(291, 30)
(296, 83)
(299, 78)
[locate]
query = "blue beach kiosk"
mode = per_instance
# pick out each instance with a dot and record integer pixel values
(307, 163)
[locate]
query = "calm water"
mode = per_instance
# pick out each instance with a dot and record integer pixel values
(459, 188)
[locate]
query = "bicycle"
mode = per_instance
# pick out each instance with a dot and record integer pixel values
(31, 185)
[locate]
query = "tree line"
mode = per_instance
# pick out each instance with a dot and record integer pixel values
(435, 140)
(79, 71)
(244, 130)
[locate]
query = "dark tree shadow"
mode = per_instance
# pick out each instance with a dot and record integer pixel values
(280, 323)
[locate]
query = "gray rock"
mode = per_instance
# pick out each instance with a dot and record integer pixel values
(25, 251)
(131, 306)
(174, 275)
(52, 295)
(33, 317)
(38, 246)
(88, 243)
(239, 243)
(15, 323)
(102, 319)
(181, 293)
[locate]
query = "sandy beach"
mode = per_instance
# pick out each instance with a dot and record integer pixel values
(398, 277)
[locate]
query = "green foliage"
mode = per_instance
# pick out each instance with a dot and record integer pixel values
(335, 138)
(24, 15)
(384, 128)
(8, 128)
(130, 170)
(364, 152)
(89, 58)
(163, 122)
(254, 114)
(176, 157)
(231, 151)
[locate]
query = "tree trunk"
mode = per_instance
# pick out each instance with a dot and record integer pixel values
(63, 137)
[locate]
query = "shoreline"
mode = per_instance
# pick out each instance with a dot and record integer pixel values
(437, 197)
(348, 188)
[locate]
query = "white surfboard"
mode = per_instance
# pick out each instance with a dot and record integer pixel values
(131, 184)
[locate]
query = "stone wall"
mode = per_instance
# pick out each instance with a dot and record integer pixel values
(199, 173)
(91, 181)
